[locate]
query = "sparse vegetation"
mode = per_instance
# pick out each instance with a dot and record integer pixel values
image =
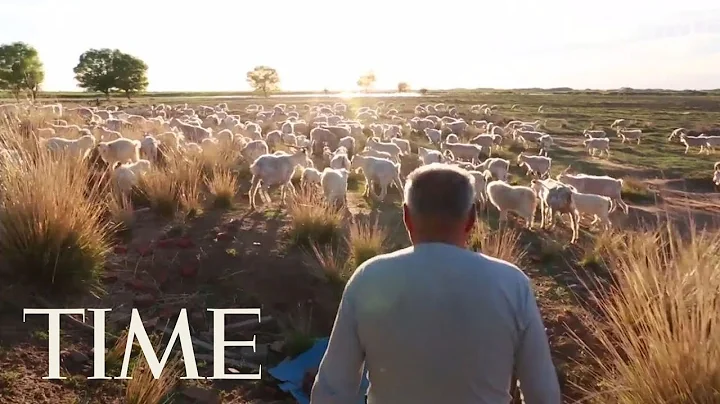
(658, 335)
(648, 288)
(312, 220)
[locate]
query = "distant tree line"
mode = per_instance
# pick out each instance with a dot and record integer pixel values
(110, 71)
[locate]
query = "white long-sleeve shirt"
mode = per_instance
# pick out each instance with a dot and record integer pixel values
(435, 323)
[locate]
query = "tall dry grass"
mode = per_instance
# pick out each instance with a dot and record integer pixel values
(365, 241)
(313, 220)
(52, 231)
(658, 332)
(503, 243)
(223, 185)
(143, 388)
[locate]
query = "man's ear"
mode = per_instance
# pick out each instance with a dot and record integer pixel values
(472, 217)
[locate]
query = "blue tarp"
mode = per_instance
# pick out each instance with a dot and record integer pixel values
(291, 372)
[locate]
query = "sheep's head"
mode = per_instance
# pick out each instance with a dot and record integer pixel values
(560, 198)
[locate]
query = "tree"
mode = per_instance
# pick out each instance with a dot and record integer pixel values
(403, 87)
(423, 91)
(264, 79)
(106, 70)
(134, 74)
(366, 81)
(20, 69)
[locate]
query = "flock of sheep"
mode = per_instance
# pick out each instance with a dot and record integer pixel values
(374, 141)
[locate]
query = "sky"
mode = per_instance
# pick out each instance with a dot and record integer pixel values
(317, 44)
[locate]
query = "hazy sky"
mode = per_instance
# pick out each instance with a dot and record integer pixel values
(316, 44)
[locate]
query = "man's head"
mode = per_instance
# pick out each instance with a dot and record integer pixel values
(439, 204)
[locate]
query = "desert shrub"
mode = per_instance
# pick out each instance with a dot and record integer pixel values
(313, 220)
(365, 241)
(635, 190)
(52, 232)
(222, 185)
(658, 334)
(143, 388)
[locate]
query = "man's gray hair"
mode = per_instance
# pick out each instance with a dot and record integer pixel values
(440, 191)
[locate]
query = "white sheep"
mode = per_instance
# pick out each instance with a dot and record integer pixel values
(497, 166)
(486, 141)
(629, 134)
(429, 156)
(310, 175)
(340, 160)
(334, 184)
(149, 148)
(126, 176)
(377, 170)
(121, 150)
(677, 132)
(716, 177)
(539, 165)
(254, 149)
(79, 147)
(433, 135)
(390, 148)
(513, 198)
(594, 133)
(712, 142)
(545, 142)
(403, 144)
(481, 181)
(695, 141)
(464, 151)
(595, 184)
(274, 169)
(601, 144)
(557, 197)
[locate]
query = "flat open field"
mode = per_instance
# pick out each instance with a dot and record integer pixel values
(291, 260)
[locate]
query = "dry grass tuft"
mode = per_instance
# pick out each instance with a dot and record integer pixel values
(329, 263)
(503, 243)
(122, 213)
(365, 241)
(161, 191)
(143, 388)
(223, 185)
(312, 220)
(51, 229)
(660, 331)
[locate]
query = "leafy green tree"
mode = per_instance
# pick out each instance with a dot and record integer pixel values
(20, 69)
(366, 81)
(131, 74)
(106, 70)
(403, 87)
(264, 79)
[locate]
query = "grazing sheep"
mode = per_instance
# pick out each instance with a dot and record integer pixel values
(596, 184)
(254, 149)
(310, 175)
(601, 144)
(558, 198)
(126, 176)
(403, 144)
(716, 178)
(677, 132)
(629, 134)
(695, 141)
(539, 165)
(433, 135)
(486, 141)
(274, 169)
(712, 142)
(334, 185)
(340, 160)
(513, 198)
(481, 181)
(527, 136)
(377, 170)
(79, 147)
(149, 147)
(545, 142)
(497, 166)
(429, 156)
(464, 151)
(390, 148)
(121, 150)
(596, 133)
